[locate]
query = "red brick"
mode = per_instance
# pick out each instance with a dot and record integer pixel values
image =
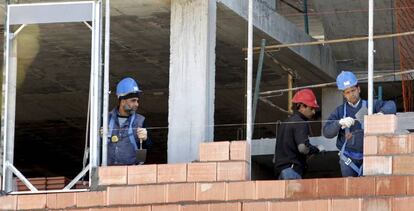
(194, 207)
(301, 188)
(319, 205)
(136, 208)
(151, 194)
(37, 201)
(410, 185)
(254, 206)
(235, 206)
(380, 124)
(284, 206)
(240, 190)
(51, 201)
(395, 185)
(240, 150)
(172, 173)
(201, 172)
(211, 191)
(403, 204)
(410, 140)
(121, 195)
(346, 204)
(270, 189)
(392, 145)
(376, 204)
(181, 192)
(104, 209)
(169, 207)
(403, 164)
(331, 187)
(112, 175)
(354, 184)
(370, 145)
(377, 165)
(89, 199)
(232, 171)
(8, 202)
(142, 174)
(215, 151)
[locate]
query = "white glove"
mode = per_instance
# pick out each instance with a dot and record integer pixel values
(142, 134)
(346, 122)
(321, 148)
(379, 113)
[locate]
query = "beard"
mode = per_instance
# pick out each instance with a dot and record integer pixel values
(129, 109)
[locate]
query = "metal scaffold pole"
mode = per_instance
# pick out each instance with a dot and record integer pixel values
(370, 56)
(249, 75)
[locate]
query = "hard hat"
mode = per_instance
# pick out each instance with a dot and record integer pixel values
(346, 80)
(306, 97)
(127, 86)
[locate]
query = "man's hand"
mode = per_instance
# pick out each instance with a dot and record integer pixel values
(346, 122)
(142, 134)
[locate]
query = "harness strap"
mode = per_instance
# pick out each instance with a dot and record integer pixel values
(130, 132)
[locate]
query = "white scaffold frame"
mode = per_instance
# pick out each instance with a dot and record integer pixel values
(59, 12)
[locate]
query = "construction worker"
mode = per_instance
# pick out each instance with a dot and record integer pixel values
(346, 123)
(126, 128)
(292, 144)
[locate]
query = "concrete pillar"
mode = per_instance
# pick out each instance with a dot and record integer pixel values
(192, 78)
(331, 98)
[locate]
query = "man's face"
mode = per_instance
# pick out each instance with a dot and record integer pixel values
(352, 94)
(307, 111)
(130, 105)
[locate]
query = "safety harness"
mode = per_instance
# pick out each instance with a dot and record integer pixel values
(130, 132)
(348, 161)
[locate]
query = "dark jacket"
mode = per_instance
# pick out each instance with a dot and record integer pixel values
(332, 128)
(293, 132)
(123, 151)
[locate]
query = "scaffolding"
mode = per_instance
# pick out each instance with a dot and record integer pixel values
(88, 12)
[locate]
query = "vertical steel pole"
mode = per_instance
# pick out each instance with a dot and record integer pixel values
(106, 83)
(370, 55)
(249, 77)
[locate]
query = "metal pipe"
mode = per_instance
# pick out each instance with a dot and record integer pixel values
(379, 92)
(290, 93)
(21, 177)
(106, 84)
(249, 78)
(370, 55)
(305, 16)
(258, 79)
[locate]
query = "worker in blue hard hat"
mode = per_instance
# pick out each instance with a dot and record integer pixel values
(126, 127)
(346, 122)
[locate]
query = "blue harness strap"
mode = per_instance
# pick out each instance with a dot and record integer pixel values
(342, 155)
(130, 131)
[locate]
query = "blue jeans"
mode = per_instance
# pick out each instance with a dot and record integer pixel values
(289, 173)
(347, 171)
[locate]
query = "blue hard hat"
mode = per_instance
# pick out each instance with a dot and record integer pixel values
(346, 80)
(127, 86)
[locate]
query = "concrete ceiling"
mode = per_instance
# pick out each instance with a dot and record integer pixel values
(347, 19)
(53, 81)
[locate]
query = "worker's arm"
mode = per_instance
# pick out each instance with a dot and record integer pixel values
(385, 107)
(301, 134)
(332, 126)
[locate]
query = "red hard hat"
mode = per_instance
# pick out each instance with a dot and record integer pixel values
(306, 97)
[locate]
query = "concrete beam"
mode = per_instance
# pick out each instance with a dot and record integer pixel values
(315, 60)
(192, 78)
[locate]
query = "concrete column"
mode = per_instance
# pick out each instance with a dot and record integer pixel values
(331, 98)
(192, 78)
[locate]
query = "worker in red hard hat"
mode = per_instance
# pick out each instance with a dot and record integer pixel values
(292, 143)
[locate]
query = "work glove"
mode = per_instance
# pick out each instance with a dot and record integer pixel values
(321, 148)
(379, 113)
(346, 122)
(142, 134)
